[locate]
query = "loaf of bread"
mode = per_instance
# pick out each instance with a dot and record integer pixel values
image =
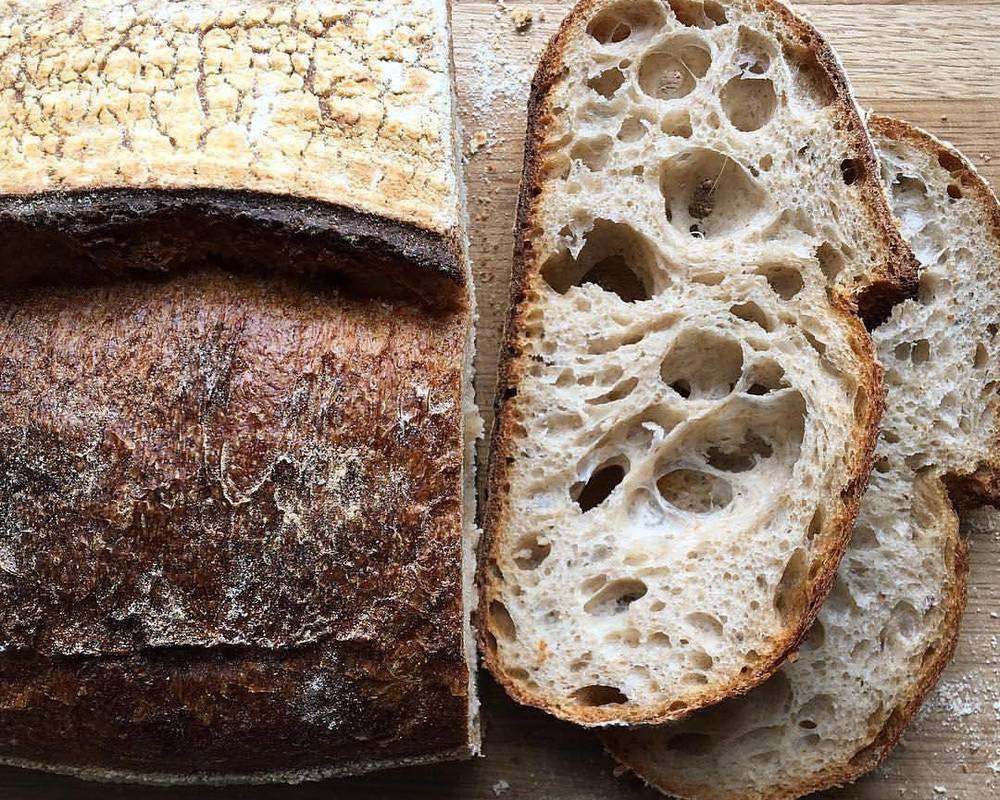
(236, 428)
(688, 399)
(890, 624)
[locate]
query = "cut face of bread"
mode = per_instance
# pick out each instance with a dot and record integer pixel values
(891, 621)
(236, 431)
(688, 400)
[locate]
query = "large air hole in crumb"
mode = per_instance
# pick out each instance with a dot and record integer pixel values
(749, 103)
(602, 482)
(701, 660)
(812, 86)
(599, 695)
(950, 162)
(790, 594)
(607, 82)
(615, 597)
(619, 392)
(501, 622)
(592, 153)
(785, 281)
(673, 69)
(708, 195)
(704, 14)
(702, 364)
(614, 257)
(695, 491)
(632, 129)
(626, 20)
(751, 312)
(903, 626)
(739, 456)
(840, 600)
(831, 261)
(766, 377)
(816, 524)
(677, 123)
(531, 552)
(753, 52)
(705, 624)
(851, 170)
(981, 357)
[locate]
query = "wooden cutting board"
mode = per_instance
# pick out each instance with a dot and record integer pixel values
(936, 64)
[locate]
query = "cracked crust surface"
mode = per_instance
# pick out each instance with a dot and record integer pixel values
(236, 431)
(314, 99)
(868, 286)
(891, 623)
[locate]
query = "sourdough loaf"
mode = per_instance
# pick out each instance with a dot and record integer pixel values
(688, 399)
(236, 429)
(891, 622)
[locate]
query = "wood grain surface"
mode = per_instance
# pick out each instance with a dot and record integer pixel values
(936, 64)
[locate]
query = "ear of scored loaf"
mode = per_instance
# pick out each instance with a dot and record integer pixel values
(236, 428)
(891, 622)
(688, 399)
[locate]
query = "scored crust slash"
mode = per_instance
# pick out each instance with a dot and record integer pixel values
(236, 428)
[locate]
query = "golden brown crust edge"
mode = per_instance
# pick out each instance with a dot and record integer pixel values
(895, 279)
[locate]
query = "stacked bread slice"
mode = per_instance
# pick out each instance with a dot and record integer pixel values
(891, 621)
(687, 402)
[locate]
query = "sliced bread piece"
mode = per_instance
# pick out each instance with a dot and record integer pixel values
(688, 400)
(891, 622)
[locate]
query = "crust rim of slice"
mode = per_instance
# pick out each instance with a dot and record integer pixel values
(896, 279)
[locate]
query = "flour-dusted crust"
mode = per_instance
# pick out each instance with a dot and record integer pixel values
(861, 280)
(891, 623)
(236, 429)
(329, 101)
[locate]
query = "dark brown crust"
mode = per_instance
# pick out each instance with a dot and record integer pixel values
(894, 280)
(189, 321)
(979, 488)
(84, 227)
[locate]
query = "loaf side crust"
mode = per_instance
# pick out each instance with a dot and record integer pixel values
(301, 151)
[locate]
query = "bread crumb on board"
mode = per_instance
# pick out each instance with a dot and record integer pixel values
(500, 787)
(480, 138)
(522, 17)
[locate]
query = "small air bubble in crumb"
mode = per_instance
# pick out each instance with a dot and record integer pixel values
(522, 17)
(478, 141)
(500, 787)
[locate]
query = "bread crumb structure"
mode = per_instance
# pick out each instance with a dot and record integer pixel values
(236, 425)
(688, 399)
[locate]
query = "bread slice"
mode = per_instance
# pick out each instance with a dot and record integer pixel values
(236, 430)
(891, 622)
(688, 399)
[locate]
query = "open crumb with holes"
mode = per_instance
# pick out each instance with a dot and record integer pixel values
(689, 399)
(890, 624)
